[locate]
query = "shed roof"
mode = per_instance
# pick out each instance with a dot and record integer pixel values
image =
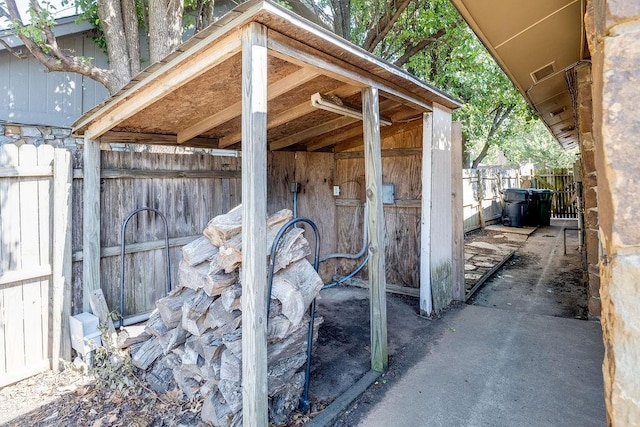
(193, 96)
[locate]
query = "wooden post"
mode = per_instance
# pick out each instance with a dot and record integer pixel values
(426, 303)
(480, 199)
(254, 225)
(457, 260)
(90, 221)
(61, 298)
(377, 270)
(441, 216)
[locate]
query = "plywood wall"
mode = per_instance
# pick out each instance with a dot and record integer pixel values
(401, 166)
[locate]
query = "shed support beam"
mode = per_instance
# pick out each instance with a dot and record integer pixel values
(90, 221)
(441, 249)
(377, 270)
(426, 304)
(457, 268)
(254, 226)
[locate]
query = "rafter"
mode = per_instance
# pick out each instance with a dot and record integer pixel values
(290, 114)
(274, 90)
(312, 132)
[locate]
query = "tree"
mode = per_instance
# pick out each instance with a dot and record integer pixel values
(119, 22)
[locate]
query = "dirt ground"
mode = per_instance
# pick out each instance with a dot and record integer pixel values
(539, 278)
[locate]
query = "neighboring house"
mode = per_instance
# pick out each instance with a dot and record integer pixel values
(30, 95)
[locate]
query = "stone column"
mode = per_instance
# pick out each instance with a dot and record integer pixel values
(589, 188)
(613, 29)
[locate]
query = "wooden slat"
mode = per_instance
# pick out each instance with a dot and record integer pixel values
(135, 248)
(377, 278)
(25, 172)
(426, 302)
(399, 203)
(158, 85)
(254, 227)
(274, 90)
(396, 152)
(457, 260)
(154, 139)
(61, 295)
(390, 288)
(159, 173)
(11, 277)
(290, 114)
(91, 221)
(387, 132)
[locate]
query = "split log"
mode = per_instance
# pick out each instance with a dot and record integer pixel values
(215, 410)
(188, 379)
(229, 328)
(280, 374)
(193, 311)
(198, 251)
(230, 297)
(218, 316)
(305, 279)
(170, 306)
(193, 277)
(172, 339)
(232, 393)
(101, 311)
(230, 259)
(155, 325)
(233, 342)
(222, 227)
(230, 367)
(286, 400)
(279, 327)
(147, 354)
(160, 377)
(218, 281)
(295, 343)
(293, 306)
(125, 340)
(292, 247)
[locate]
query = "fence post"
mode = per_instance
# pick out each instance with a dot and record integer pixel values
(61, 295)
(480, 199)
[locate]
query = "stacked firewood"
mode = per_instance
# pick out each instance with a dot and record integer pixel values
(194, 336)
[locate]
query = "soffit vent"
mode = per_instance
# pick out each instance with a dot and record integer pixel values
(544, 72)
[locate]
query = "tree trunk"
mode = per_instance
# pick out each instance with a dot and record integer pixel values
(165, 27)
(500, 114)
(114, 29)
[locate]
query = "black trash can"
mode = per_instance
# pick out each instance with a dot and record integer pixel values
(515, 213)
(544, 201)
(516, 195)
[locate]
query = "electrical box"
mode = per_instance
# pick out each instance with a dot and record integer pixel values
(388, 194)
(336, 190)
(85, 335)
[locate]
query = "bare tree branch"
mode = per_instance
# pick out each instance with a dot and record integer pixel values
(303, 10)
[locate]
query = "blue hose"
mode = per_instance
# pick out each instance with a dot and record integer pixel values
(348, 276)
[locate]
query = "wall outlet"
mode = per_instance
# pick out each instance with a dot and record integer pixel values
(336, 190)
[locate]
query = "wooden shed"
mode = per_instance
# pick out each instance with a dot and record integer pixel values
(302, 105)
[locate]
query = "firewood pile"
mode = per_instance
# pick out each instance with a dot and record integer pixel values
(194, 336)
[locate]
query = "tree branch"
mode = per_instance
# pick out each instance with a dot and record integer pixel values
(379, 30)
(303, 10)
(410, 51)
(501, 113)
(50, 54)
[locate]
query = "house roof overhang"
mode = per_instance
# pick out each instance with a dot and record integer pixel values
(537, 44)
(193, 96)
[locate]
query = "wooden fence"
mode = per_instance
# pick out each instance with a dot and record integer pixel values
(35, 262)
(482, 199)
(561, 181)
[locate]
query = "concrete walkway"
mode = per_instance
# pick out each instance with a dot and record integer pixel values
(494, 367)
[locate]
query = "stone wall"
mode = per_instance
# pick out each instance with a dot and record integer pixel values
(589, 189)
(613, 32)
